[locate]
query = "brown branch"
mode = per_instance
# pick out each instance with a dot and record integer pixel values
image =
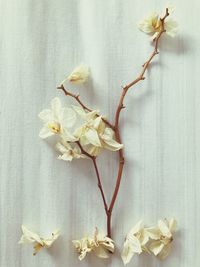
(100, 185)
(77, 98)
(83, 150)
(93, 158)
(121, 106)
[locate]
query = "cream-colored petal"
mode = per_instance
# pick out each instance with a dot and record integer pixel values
(138, 227)
(148, 24)
(127, 252)
(56, 107)
(68, 117)
(136, 245)
(153, 232)
(49, 241)
(68, 137)
(111, 144)
(45, 132)
(94, 150)
(171, 27)
(164, 252)
(46, 115)
(29, 236)
(62, 148)
(80, 111)
(156, 247)
(79, 132)
(144, 238)
(83, 246)
(93, 137)
(79, 75)
(84, 141)
(172, 225)
(101, 252)
(66, 157)
(97, 122)
(91, 115)
(164, 229)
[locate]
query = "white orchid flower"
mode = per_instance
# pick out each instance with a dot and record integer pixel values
(78, 76)
(108, 141)
(29, 237)
(135, 242)
(100, 244)
(152, 25)
(94, 132)
(68, 151)
(163, 236)
(83, 246)
(57, 120)
(103, 245)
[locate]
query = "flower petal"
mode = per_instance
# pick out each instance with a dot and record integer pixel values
(29, 236)
(148, 24)
(101, 252)
(127, 252)
(112, 145)
(66, 157)
(93, 137)
(172, 225)
(80, 111)
(46, 115)
(137, 228)
(49, 241)
(136, 245)
(68, 117)
(94, 150)
(171, 27)
(45, 132)
(56, 107)
(156, 247)
(153, 232)
(164, 252)
(79, 75)
(164, 229)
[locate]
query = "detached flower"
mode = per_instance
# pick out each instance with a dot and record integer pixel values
(57, 120)
(135, 242)
(94, 132)
(152, 25)
(68, 152)
(100, 244)
(83, 246)
(103, 245)
(29, 237)
(163, 236)
(78, 76)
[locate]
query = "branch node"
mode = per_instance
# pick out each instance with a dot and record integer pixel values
(122, 160)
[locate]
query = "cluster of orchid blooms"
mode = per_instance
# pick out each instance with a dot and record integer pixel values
(83, 133)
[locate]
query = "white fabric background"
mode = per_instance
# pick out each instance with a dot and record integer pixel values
(40, 42)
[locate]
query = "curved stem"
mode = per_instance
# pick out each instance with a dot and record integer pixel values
(99, 183)
(121, 106)
(77, 98)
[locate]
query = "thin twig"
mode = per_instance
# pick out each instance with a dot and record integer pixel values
(77, 98)
(93, 158)
(121, 106)
(100, 185)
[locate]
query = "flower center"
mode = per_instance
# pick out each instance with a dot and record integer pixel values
(166, 240)
(54, 127)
